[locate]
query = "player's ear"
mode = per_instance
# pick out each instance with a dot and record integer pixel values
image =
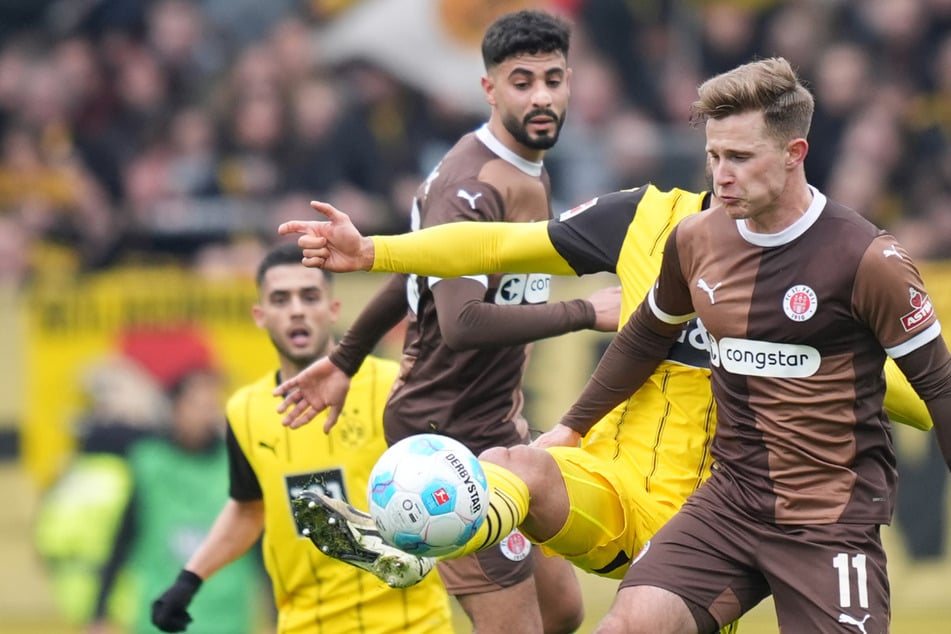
(796, 151)
(488, 87)
(257, 314)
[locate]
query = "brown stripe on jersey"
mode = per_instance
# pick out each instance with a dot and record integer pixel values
(825, 259)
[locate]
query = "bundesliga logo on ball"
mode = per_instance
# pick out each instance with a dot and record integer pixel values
(428, 494)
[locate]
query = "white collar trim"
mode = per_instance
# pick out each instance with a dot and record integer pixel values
(532, 168)
(791, 232)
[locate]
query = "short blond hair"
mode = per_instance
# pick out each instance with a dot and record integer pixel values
(767, 85)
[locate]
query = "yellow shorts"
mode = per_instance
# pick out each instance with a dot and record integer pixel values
(635, 469)
(611, 514)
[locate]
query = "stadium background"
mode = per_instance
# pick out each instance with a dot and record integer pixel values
(113, 217)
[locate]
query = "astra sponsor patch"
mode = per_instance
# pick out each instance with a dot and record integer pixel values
(922, 309)
(763, 358)
(800, 302)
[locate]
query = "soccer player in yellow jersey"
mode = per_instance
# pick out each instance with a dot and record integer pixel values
(270, 469)
(594, 500)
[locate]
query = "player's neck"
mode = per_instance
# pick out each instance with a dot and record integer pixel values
(786, 211)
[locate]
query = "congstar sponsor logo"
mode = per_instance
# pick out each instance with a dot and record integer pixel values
(763, 358)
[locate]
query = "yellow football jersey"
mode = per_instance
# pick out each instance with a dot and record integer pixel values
(314, 593)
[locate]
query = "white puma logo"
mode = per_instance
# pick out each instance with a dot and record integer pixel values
(703, 286)
(467, 196)
(892, 251)
(845, 618)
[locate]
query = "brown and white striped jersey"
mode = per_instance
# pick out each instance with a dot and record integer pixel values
(799, 324)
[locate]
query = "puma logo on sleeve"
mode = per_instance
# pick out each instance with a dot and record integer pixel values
(703, 286)
(470, 198)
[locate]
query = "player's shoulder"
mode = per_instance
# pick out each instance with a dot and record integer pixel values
(852, 234)
(240, 399)
(499, 166)
(671, 205)
(646, 199)
(465, 160)
(690, 222)
(850, 219)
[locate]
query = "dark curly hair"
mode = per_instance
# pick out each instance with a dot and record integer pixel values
(524, 32)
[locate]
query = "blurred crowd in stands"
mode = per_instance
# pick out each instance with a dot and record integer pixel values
(141, 132)
(185, 130)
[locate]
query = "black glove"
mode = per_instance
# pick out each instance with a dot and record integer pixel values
(169, 610)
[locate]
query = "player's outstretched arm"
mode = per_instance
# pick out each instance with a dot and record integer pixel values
(334, 244)
(450, 250)
(455, 249)
(319, 386)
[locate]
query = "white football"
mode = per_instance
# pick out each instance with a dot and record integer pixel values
(428, 494)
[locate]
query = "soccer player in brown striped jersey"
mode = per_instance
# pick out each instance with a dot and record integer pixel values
(599, 503)
(465, 349)
(802, 300)
(565, 250)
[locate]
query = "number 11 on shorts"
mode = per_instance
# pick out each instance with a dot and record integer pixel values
(841, 563)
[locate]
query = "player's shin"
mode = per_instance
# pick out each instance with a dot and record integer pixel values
(508, 507)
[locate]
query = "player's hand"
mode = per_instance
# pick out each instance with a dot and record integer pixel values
(317, 387)
(334, 244)
(559, 436)
(170, 611)
(607, 308)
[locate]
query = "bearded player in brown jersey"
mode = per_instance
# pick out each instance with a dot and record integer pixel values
(802, 602)
(465, 348)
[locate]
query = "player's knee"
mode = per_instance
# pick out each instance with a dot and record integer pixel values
(497, 455)
(530, 464)
(567, 617)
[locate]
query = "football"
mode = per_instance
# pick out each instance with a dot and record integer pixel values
(428, 494)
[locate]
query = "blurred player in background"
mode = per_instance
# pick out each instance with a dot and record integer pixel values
(269, 467)
(178, 479)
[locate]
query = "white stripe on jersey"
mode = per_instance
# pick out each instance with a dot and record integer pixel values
(665, 317)
(931, 333)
